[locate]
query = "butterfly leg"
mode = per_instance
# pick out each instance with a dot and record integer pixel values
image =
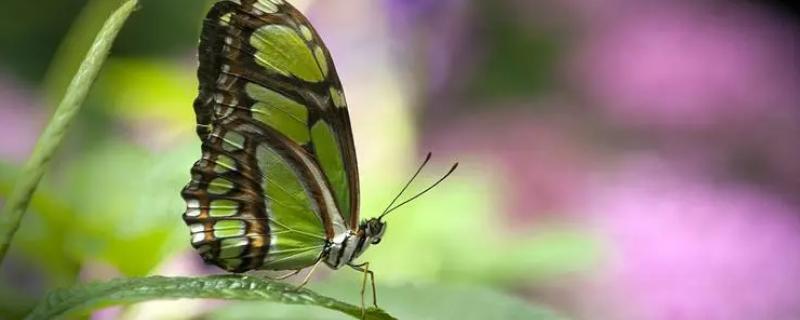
(286, 276)
(364, 267)
(308, 276)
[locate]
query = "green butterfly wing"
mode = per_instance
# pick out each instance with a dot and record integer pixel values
(278, 177)
(247, 204)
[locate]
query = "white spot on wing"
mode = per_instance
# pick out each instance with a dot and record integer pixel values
(193, 204)
(198, 237)
(197, 228)
(192, 212)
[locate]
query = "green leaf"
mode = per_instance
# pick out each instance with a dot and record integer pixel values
(463, 302)
(53, 135)
(84, 298)
(435, 301)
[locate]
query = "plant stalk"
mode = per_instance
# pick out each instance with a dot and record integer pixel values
(52, 136)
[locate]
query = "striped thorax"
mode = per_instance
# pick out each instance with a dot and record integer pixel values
(348, 246)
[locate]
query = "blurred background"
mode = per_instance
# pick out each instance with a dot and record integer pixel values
(620, 159)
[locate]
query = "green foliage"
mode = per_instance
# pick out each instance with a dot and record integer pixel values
(13, 305)
(32, 34)
(516, 62)
(139, 212)
(455, 236)
(147, 91)
(20, 197)
(82, 299)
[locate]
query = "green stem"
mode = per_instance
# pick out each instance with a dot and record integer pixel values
(54, 133)
(70, 53)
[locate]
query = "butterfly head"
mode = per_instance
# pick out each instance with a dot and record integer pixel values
(373, 229)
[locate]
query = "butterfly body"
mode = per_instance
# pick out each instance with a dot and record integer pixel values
(276, 187)
(347, 247)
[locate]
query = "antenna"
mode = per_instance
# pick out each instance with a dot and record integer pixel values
(453, 168)
(424, 163)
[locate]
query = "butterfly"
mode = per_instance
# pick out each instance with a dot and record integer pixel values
(277, 186)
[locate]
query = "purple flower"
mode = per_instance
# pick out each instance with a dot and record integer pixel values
(543, 165)
(679, 66)
(713, 83)
(408, 12)
(683, 247)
